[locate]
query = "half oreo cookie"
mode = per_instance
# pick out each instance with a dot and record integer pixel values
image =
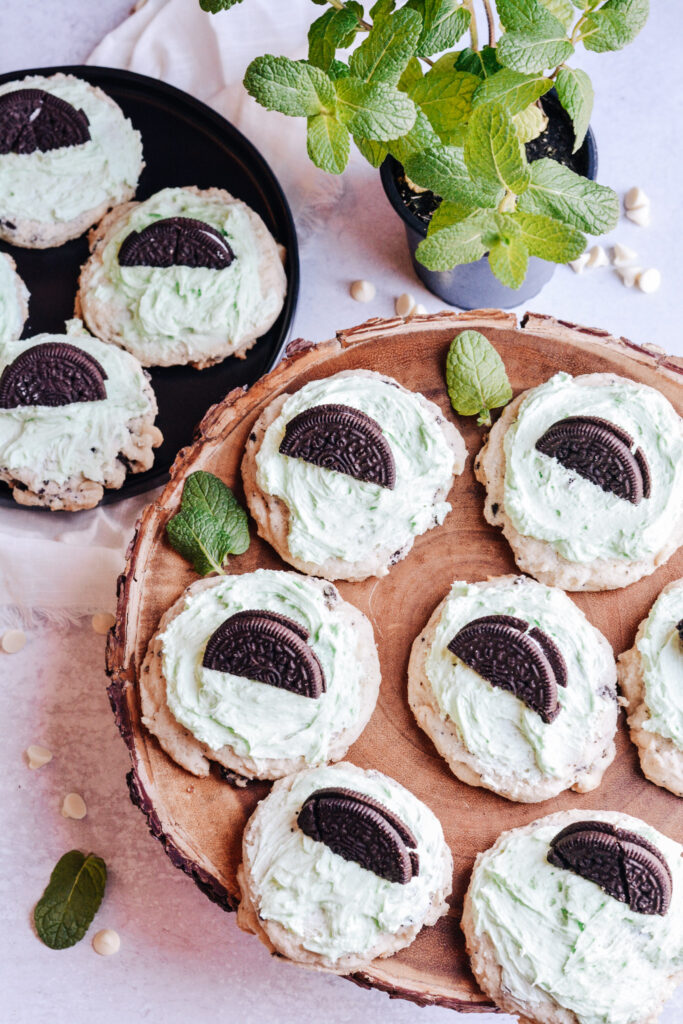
(622, 863)
(363, 830)
(343, 439)
(268, 648)
(176, 242)
(54, 373)
(600, 452)
(509, 655)
(33, 119)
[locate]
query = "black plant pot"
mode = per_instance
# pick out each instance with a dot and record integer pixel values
(473, 285)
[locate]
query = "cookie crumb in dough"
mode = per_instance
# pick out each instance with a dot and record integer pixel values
(102, 622)
(73, 806)
(13, 641)
(106, 942)
(37, 756)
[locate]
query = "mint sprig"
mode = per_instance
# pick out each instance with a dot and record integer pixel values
(210, 525)
(476, 377)
(71, 899)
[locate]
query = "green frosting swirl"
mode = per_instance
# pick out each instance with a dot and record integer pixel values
(187, 311)
(505, 735)
(11, 320)
(581, 521)
(74, 441)
(333, 906)
(556, 933)
(661, 658)
(251, 717)
(60, 185)
(332, 515)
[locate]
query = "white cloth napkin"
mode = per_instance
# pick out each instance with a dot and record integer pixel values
(60, 565)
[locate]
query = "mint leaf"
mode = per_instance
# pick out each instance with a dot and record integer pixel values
(328, 143)
(476, 377)
(525, 15)
(412, 74)
(374, 152)
(210, 525)
(530, 123)
(465, 241)
(338, 69)
(382, 7)
(420, 137)
(616, 24)
(446, 98)
(443, 170)
(511, 88)
(374, 110)
(214, 6)
(385, 52)
(547, 238)
(562, 10)
(535, 49)
(558, 192)
(447, 214)
(289, 86)
(493, 151)
(335, 30)
(482, 63)
(71, 899)
(443, 23)
(508, 259)
(575, 93)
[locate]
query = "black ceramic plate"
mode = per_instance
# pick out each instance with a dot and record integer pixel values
(184, 143)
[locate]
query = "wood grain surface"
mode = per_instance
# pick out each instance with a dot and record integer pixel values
(200, 821)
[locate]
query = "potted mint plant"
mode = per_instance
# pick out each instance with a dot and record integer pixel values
(485, 150)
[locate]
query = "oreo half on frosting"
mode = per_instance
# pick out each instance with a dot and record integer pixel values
(624, 864)
(52, 374)
(344, 439)
(33, 119)
(176, 241)
(361, 829)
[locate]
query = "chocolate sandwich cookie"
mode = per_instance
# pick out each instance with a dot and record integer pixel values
(263, 674)
(187, 276)
(75, 416)
(585, 477)
(651, 682)
(343, 475)
(516, 689)
(341, 865)
(67, 154)
(578, 919)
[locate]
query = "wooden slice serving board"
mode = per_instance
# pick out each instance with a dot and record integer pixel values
(200, 821)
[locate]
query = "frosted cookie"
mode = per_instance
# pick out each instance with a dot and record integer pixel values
(585, 476)
(67, 154)
(13, 300)
(187, 276)
(578, 919)
(341, 865)
(651, 680)
(264, 673)
(516, 689)
(344, 474)
(75, 416)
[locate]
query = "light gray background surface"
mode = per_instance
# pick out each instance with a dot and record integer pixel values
(182, 959)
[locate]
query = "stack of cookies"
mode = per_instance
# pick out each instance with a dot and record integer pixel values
(272, 675)
(187, 276)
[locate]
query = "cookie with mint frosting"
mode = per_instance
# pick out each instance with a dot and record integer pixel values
(577, 918)
(13, 300)
(516, 689)
(264, 673)
(67, 154)
(187, 276)
(344, 474)
(341, 865)
(585, 477)
(651, 681)
(75, 416)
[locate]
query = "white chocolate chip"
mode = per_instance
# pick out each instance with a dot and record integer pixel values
(73, 806)
(649, 280)
(622, 255)
(363, 291)
(37, 756)
(635, 198)
(13, 641)
(580, 263)
(102, 622)
(405, 304)
(597, 257)
(640, 216)
(106, 942)
(629, 275)
(419, 310)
